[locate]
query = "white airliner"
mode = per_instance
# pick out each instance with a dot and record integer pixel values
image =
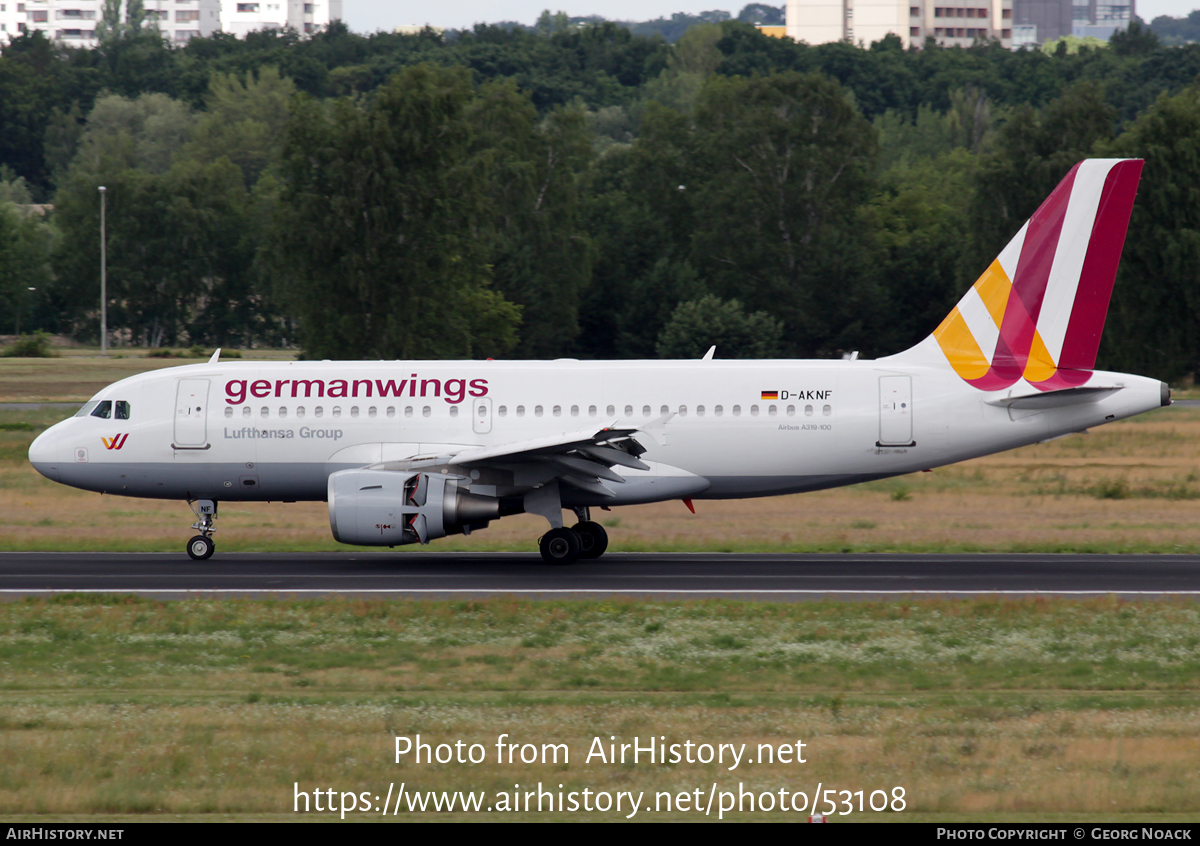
(409, 451)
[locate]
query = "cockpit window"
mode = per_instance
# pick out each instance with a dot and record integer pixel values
(103, 409)
(87, 408)
(122, 409)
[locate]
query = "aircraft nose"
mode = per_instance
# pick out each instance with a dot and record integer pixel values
(43, 455)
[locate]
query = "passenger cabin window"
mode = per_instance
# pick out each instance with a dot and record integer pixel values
(425, 411)
(228, 411)
(827, 410)
(318, 412)
(299, 411)
(454, 411)
(264, 412)
(699, 411)
(574, 411)
(719, 410)
(737, 411)
(808, 410)
(391, 412)
(246, 411)
(502, 410)
(628, 411)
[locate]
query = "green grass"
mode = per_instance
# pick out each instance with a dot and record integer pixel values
(982, 709)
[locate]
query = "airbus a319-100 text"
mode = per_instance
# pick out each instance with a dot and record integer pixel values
(410, 451)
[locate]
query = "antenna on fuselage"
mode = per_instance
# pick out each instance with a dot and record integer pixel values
(215, 356)
(708, 355)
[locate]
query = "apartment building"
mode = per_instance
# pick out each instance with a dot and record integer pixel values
(12, 22)
(243, 18)
(867, 21)
(74, 22)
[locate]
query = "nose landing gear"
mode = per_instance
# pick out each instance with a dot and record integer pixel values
(201, 547)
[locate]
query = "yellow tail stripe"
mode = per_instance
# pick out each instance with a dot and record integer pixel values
(1040, 366)
(994, 288)
(960, 346)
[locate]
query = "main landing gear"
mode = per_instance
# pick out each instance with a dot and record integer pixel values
(586, 539)
(201, 547)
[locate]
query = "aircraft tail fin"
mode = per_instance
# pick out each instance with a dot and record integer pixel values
(1037, 313)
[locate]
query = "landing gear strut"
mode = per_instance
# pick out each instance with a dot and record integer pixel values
(201, 547)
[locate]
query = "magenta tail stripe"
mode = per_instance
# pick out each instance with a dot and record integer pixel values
(1088, 313)
(1033, 269)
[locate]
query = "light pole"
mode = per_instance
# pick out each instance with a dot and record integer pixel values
(103, 280)
(19, 312)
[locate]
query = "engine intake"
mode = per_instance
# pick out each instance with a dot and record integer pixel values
(390, 508)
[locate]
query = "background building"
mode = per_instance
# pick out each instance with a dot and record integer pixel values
(74, 22)
(242, 18)
(867, 21)
(12, 21)
(1041, 20)
(1101, 18)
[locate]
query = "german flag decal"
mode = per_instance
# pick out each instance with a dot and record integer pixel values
(770, 395)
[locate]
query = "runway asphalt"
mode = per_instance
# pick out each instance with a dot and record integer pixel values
(433, 575)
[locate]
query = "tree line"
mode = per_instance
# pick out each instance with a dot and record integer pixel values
(578, 191)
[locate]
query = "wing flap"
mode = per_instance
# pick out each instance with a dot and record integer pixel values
(553, 445)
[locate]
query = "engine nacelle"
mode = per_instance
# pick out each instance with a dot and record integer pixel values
(390, 508)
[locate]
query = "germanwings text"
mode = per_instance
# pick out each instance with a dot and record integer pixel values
(452, 391)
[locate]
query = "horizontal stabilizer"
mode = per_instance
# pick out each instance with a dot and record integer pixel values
(1056, 399)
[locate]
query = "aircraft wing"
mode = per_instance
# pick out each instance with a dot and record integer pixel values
(583, 459)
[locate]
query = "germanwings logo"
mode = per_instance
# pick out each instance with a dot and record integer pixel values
(115, 443)
(1038, 312)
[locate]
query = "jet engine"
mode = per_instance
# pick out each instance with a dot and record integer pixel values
(390, 508)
